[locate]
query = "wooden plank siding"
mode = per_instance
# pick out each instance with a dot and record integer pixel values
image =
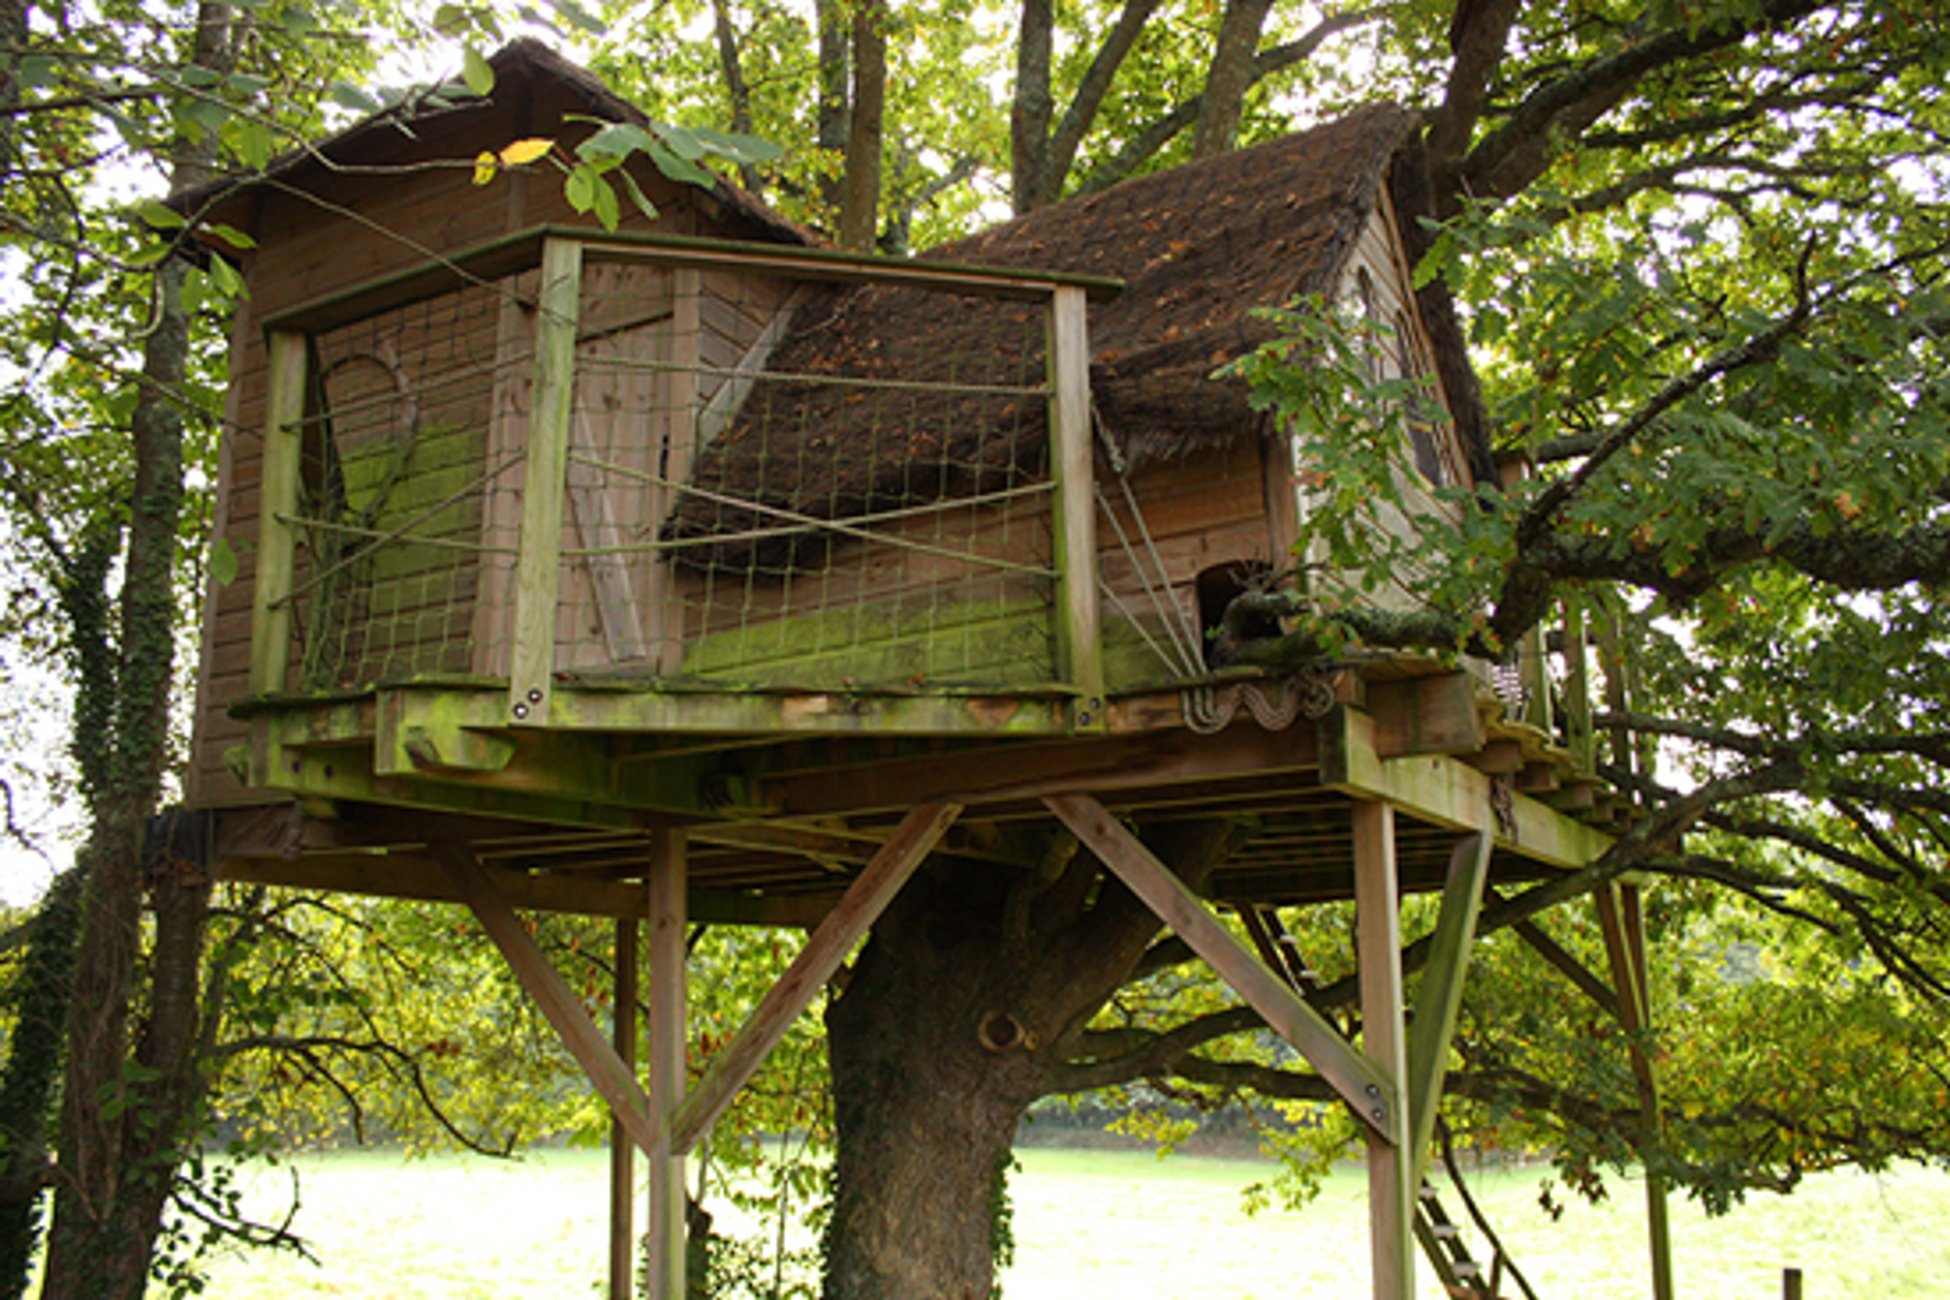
(309, 245)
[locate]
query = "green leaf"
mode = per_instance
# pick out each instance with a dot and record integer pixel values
(225, 276)
(680, 169)
(608, 211)
(737, 147)
(255, 143)
(616, 140)
(474, 70)
(37, 71)
(577, 16)
(159, 215)
(231, 235)
(223, 562)
(637, 196)
(347, 95)
(580, 188)
(448, 19)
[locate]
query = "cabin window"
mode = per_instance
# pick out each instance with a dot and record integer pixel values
(1421, 424)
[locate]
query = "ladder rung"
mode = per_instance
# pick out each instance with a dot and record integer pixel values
(1445, 1231)
(1467, 1268)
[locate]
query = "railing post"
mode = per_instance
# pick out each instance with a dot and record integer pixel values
(277, 543)
(1079, 647)
(537, 567)
(1577, 687)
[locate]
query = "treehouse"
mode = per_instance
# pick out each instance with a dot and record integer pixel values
(694, 569)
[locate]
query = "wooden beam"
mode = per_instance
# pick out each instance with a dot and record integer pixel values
(1439, 997)
(414, 874)
(1079, 643)
(1365, 1088)
(544, 480)
(622, 1151)
(725, 404)
(278, 487)
(664, 889)
(1378, 945)
(1448, 792)
(1030, 771)
(1426, 715)
(794, 991)
(614, 1080)
(1627, 960)
(603, 535)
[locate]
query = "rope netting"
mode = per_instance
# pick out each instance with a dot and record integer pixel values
(401, 462)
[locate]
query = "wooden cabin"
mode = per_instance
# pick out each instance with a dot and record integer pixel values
(694, 568)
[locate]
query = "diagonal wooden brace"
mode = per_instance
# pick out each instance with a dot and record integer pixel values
(1440, 996)
(794, 991)
(614, 1080)
(1365, 1088)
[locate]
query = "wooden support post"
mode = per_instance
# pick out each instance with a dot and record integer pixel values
(1371, 1092)
(622, 1152)
(1619, 919)
(665, 885)
(1577, 688)
(1079, 646)
(544, 482)
(1439, 997)
(1790, 1284)
(682, 439)
(556, 1001)
(828, 946)
(1378, 946)
(278, 487)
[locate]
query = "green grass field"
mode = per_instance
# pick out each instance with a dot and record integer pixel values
(1101, 1223)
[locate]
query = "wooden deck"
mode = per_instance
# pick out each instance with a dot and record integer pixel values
(784, 796)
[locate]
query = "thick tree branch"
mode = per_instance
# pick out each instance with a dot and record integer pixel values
(1518, 151)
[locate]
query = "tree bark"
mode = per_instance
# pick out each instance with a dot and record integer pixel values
(122, 1119)
(959, 1013)
(1229, 77)
(860, 191)
(835, 112)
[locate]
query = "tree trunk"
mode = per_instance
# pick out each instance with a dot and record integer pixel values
(955, 1018)
(860, 191)
(1229, 78)
(835, 122)
(124, 1119)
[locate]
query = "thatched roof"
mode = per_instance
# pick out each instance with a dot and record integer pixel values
(518, 66)
(1199, 247)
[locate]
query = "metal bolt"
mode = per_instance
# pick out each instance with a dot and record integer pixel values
(1373, 1091)
(1096, 703)
(521, 710)
(1378, 1114)
(534, 696)
(1083, 719)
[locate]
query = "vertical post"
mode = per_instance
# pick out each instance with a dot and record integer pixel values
(1620, 920)
(1577, 686)
(1790, 1284)
(277, 501)
(1079, 647)
(622, 1148)
(1377, 919)
(532, 662)
(678, 402)
(667, 1035)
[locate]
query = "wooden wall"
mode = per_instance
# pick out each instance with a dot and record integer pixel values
(1379, 279)
(320, 233)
